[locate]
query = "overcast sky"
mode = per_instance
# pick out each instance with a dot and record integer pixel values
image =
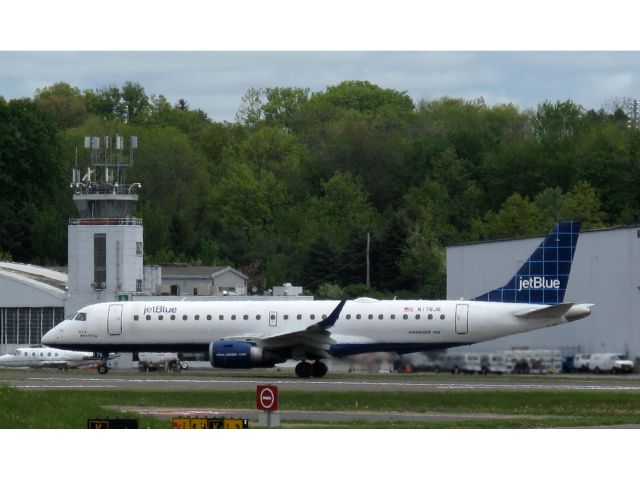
(216, 81)
(211, 55)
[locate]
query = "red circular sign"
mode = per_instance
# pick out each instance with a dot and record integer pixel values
(267, 397)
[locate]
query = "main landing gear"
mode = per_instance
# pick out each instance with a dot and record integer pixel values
(315, 369)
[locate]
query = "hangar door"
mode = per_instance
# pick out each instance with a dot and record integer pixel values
(462, 318)
(114, 320)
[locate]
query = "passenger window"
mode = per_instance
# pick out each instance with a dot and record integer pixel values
(221, 317)
(442, 317)
(160, 317)
(312, 316)
(26, 354)
(405, 316)
(430, 317)
(246, 317)
(370, 317)
(286, 317)
(208, 317)
(48, 354)
(33, 354)
(417, 316)
(380, 316)
(197, 317)
(233, 317)
(324, 316)
(173, 317)
(184, 317)
(348, 316)
(136, 317)
(299, 317)
(393, 316)
(42, 354)
(258, 317)
(148, 317)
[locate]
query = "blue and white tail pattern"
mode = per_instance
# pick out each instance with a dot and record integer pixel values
(544, 276)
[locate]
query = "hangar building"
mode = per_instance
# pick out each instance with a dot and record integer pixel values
(31, 302)
(605, 272)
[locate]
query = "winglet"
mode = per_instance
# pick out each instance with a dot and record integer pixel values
(330, 321)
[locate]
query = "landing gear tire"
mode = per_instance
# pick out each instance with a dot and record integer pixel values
(304, 370)
(103, 369)
(319, 370)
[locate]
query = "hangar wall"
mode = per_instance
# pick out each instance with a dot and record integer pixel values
(605, 272)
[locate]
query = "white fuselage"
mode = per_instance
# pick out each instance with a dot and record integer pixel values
(35, 357)
(364, 325)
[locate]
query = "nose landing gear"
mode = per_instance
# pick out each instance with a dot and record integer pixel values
(103, 368)
(316, 369)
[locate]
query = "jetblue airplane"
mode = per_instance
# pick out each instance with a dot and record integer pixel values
(246, 334)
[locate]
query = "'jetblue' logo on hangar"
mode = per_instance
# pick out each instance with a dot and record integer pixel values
(538, 283)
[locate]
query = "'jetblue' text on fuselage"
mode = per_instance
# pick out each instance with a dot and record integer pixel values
(160, 309)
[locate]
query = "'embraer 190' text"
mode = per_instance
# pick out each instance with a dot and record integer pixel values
(538, 282)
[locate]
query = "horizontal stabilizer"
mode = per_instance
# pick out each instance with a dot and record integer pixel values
(545, 312)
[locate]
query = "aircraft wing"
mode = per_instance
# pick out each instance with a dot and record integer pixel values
(315, 339)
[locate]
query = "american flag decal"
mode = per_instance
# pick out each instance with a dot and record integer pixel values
(408, 309)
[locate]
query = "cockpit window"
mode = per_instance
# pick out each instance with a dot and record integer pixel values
(81, 317)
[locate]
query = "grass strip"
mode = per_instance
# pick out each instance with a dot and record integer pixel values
(72, 408)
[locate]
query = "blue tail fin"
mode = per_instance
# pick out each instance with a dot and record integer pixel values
(544, 276)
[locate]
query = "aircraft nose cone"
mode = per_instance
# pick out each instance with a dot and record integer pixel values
(51, 337)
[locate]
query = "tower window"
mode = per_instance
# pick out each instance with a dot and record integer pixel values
(100, 261)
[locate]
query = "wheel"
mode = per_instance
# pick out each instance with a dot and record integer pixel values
(304, 369)
(103, 369)
(319, 369)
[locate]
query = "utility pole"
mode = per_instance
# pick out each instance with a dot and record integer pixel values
(368, 263)
(633, 113)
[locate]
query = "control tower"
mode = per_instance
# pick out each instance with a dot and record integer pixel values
(105, 243)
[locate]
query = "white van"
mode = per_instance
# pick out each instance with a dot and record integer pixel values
(461, 363)
(610, 362)
(493, 363)
(581, 362)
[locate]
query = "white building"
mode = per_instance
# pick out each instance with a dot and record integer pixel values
(605, 272)
(182, 279)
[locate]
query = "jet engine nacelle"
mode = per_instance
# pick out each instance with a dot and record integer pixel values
(239, 354)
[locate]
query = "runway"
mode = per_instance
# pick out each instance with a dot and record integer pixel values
(54, 380)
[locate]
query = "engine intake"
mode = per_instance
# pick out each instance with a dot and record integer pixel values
(239, 354)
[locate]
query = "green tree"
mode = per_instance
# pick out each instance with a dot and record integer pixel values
(518, 217)
(64, 102)
(135, 102)
(582, 203)
(32, 179)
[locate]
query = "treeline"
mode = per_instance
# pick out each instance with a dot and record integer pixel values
(289, 191)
